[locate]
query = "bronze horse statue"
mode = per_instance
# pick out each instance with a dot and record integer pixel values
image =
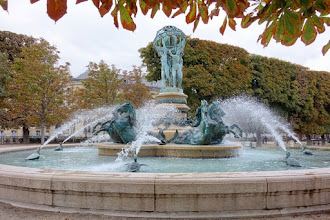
(210, 127)
(121, 126)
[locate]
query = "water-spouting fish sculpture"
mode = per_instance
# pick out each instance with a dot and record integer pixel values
(34, 156)
(291, 161)
(306, 151)
(161, 136)
(59, 148)
(135, 166)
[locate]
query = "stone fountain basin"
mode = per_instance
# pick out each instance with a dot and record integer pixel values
(176, 150)
(168, 195)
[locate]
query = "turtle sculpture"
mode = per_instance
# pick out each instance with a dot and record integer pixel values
(135, 166)
(306, 151)
(121, 126)
(210, 127)
(291, 161)
(59, 148)
(34, 156)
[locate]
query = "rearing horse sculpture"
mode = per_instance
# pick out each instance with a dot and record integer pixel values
(210, 127)
(121, 126)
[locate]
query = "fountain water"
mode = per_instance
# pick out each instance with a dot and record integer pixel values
(146, 116)
(253, 116)
(93, 116)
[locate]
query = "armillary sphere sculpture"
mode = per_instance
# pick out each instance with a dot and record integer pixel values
(169, 43)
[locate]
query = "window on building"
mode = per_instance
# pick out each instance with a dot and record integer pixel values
(1, 133)
(13, 133)
(37, 133)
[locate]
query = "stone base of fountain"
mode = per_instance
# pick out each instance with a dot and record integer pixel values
(176, 99)
(177, 150)
(167, 195)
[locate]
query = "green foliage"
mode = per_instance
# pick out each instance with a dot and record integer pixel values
(5, 73)
(134, 91)
(314, 117)
(101, 86)
(12, 44)
(274, 82)
(5, 76)
(151, 60)
(301, 95)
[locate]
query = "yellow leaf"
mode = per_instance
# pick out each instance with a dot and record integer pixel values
(191, 16)
(326, 48)
(223, 26)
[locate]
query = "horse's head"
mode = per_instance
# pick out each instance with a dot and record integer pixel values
(129, 110)
(215, 112)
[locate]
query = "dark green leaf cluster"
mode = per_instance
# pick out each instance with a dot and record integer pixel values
(12, 44)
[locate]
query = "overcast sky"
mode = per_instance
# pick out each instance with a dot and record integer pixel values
(82, 36)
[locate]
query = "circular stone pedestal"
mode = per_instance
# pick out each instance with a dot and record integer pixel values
(177, 99)
(177, 150)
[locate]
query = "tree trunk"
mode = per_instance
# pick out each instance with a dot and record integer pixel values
(26, 135)
(259, 139)
(323, 139)
(43, 119)
(308, 139)
(42, 129)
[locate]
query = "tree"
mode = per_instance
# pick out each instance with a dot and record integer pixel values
(274, 83)
(38, 88)
(210, 70)
(101, 87)
(5, 73)
(286, 20)
(11, 45)
(314, 101)
(134, 91)
(322, 103)
(298, 94)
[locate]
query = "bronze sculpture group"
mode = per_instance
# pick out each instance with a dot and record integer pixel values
(207, 126)
(169, 43)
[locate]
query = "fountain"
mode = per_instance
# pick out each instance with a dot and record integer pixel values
(192, 188)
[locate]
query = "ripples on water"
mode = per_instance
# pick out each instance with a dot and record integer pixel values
(87, 159)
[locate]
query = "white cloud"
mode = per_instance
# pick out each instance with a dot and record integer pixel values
(83, 36)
